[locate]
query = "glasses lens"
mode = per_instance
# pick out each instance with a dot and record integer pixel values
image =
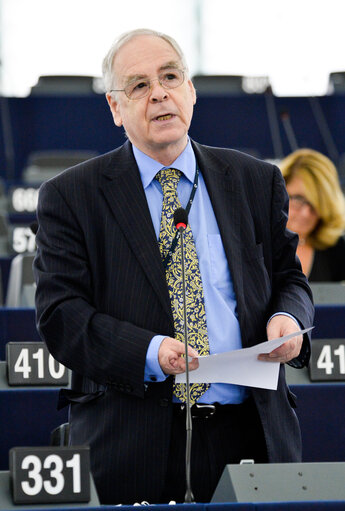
(138, 89)
(298, 202)
(171, 79)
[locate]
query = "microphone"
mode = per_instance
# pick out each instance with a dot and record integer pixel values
(181, 222)
(180, 219)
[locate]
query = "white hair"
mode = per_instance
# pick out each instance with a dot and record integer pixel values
(107, 67)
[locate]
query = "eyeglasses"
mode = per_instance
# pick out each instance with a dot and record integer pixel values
(140, 88)
(299, 202)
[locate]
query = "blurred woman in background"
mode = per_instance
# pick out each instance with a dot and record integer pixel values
(316, 214)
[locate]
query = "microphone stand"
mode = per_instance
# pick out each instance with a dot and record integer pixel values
(189, 498)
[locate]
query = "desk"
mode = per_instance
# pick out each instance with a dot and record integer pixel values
(321, 413)
(17, 325)
(31, 413)
(329, 322)
(27, 418)
(275, 506)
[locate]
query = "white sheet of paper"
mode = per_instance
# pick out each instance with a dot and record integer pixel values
(240, 367)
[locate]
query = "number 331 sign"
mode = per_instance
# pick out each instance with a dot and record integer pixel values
(50, 474)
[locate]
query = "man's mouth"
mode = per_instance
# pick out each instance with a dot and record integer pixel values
(163, 117)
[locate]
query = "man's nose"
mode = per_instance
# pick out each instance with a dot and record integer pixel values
(157, 92)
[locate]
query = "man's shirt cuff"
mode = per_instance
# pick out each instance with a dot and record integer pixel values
(285, 314)
(299, 361)
(153, 371)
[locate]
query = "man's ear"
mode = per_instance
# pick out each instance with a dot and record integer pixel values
(115, 109)
(192, 91)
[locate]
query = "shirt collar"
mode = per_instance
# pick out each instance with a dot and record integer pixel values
(149, 167)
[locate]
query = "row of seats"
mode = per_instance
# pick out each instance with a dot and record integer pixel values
(210, 84)
(21, 286)
(17, 286)
(18, 202)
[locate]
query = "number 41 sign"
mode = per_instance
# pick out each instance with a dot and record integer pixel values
(327, 359)
(30, 363)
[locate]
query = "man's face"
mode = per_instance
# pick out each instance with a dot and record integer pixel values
(159, 122)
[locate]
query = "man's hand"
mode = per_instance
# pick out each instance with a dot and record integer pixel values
(279, 326)
(170, 356)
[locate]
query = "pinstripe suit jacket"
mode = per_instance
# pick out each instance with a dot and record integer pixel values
(102, 295)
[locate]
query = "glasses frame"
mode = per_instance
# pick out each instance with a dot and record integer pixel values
(182, 71)
(300, 202)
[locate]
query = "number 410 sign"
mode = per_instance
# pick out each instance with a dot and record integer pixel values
(327, 359)
(30, 363)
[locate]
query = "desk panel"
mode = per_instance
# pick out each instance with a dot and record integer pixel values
(29, 415)
(17, 325)
(329, 322)
(321, 412)
(27, 418)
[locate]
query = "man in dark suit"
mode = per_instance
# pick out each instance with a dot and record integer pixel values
(104, 301)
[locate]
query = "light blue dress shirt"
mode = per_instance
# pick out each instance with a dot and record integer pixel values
(220, 301)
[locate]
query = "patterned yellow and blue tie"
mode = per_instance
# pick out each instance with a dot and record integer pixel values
(196, 315)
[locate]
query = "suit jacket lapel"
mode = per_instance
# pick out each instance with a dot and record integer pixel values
(123, 190)
(124, 193)
(224, 190)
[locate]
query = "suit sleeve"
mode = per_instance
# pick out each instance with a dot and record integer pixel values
(290, 290)
(91, 343)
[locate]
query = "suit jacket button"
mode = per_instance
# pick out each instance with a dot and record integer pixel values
(164, 402)
(129, 388)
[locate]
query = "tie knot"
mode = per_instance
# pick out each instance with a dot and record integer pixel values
(168, 178)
